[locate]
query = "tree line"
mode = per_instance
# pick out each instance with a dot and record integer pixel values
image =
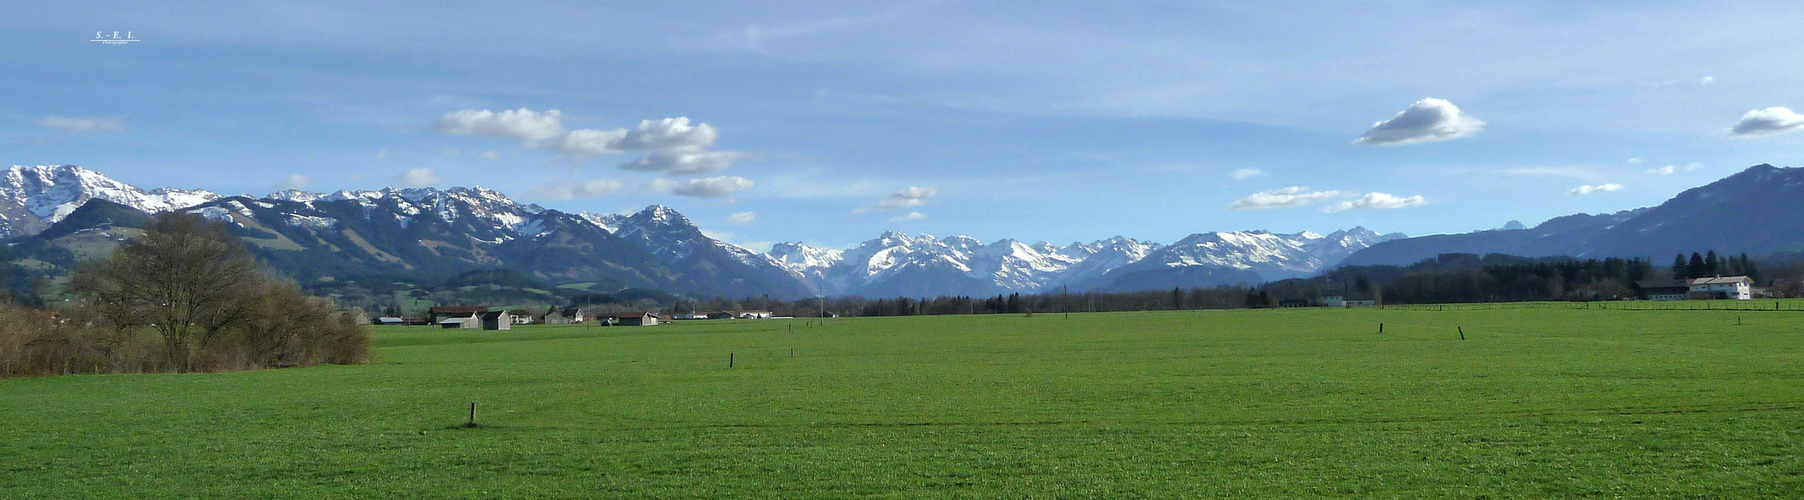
(1444, 279)
(184, 296)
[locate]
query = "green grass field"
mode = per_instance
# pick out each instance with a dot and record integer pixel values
(1277, 403)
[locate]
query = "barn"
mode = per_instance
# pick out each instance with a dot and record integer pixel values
(634, 319)
(496, 320)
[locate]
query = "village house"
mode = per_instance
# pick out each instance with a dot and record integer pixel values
(754, 315)
(521, 316)
(1723, 287)
(564, 316)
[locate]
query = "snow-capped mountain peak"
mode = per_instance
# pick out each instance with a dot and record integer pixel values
(896, 263)
(295, 195)
(32, 198)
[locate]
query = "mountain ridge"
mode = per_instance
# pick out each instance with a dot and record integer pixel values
(1752, 211)
(435, 233)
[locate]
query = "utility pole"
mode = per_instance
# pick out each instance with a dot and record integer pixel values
(1065, 300)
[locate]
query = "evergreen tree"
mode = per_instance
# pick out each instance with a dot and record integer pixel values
(1679, 269)
(1696, 268)
(1747, 268)
(1713, 264)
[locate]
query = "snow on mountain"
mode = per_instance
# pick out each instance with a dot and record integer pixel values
(478, 204)
(672, 237)
(1336, 246)
(294, 195)
(1272, 256)
(33, 198)
(1102, 256)
(610, 222)
(1017, 266)
(895, 261)
(810, 262)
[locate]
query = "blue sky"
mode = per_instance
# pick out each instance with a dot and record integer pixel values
(828, 123)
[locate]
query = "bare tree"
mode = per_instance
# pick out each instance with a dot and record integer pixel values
(186, 278)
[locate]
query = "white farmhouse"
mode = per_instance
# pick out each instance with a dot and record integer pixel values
(1723, 287)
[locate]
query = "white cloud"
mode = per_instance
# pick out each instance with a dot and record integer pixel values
(908, 217)
(1634, 160)
(1246, 173)
(673, 146)
(1588, 189)
(1427, 120)
(83, 125)
(523, 124)
(897, 204)
(382, 154)
(419, 177)
(1376, 201)
(707, 187)
(669, 134)
(296, 181)
(684, 163)
(1693, 167)
(913, 196)
(1706, 81)
(1769, 121)
(1666, 170)
(1294, 196)
(574, 190)
(742, 218)
(589, 142)
(491, 155)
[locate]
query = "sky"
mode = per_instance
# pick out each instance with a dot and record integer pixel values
(829, 123)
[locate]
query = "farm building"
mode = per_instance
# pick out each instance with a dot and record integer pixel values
(521, 316)
(1713, 288)
(564, 316)
(1347, 301)
(1664, 289)
(634, 319)
(754, 315)
(454, 323)
(1723, 287)
(496, 320)
(439, 313)
(391, 320)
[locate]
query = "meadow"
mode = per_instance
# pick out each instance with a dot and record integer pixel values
(1259, 403)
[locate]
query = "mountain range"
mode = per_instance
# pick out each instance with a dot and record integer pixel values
(56, 215)
(896, 264)
(1755, 211)
(431, 234)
